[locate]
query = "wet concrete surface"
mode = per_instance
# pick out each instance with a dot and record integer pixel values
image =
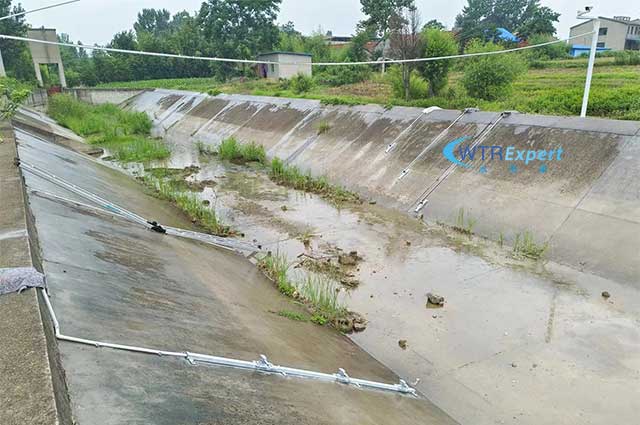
(113, 281)
(516, 341)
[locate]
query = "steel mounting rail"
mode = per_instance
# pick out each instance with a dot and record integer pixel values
(424, 197)
(262, 365)
(435, 141)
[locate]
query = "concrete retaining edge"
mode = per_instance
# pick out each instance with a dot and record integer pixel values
(32, 384)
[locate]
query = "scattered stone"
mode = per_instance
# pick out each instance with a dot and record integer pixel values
(352, 322)
(403, 344)
(514, 364)
(535, 365)
(434, 300)
(284, 208)
(359, 327)
(435, 316)
(605, 295)
(206, 202)
(371, 296)
(408, 243)
(373, 202)
(95, 151)
(349, 260)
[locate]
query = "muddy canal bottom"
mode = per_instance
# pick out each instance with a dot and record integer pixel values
(513, 339)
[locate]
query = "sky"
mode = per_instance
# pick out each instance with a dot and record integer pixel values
(95, 21)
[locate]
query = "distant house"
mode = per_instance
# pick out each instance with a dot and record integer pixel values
(617, 33)
(288, 64)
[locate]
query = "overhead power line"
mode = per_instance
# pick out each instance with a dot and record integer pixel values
(37, 10)
(253, 61)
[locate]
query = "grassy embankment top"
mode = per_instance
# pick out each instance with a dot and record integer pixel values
(555, 89)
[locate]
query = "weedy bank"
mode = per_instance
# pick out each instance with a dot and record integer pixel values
(125, 134)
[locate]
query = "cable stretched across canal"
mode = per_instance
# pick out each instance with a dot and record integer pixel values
(237, 246)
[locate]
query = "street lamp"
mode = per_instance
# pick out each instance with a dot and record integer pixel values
(582, 14)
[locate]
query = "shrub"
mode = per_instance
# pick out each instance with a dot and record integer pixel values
(12, 94)
(549, 52)
(418, 86)
(490, 77)
(341, 75)
(627, 57)
(301, 83)
(438, 43)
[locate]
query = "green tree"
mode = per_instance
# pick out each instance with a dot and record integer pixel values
(15, 54)
(239, 29)
(357, 52)
(154, 21)
(405, 42)
(434, 23)
(437, 43)
(380, 13)
(490, 77)
(480, 18)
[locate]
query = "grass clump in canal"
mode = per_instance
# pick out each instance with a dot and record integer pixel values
(293, 315)
(291, 176)
(188, 202)
(464, 226)
(125, 134)
(316, 292)
(231, 150)
(525, 246)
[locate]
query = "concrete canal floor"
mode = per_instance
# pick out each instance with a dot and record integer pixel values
(516, 341)
(113, 281)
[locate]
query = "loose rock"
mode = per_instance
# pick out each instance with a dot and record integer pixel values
(349, 260)
(605, 294)
(403, 344)
(434, 300)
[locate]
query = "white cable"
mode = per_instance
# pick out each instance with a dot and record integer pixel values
(37, 10)
(215, 59)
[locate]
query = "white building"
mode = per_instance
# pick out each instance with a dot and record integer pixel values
(288, 64)
(617, 33)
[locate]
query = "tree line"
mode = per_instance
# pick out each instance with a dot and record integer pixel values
(241, 30)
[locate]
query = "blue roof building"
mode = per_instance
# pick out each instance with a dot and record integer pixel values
(581, 49)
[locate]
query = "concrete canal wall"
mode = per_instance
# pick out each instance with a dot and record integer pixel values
(587, 205)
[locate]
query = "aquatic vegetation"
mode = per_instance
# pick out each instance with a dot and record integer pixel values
(525, 246)
(188, 202)
(231, 150)
(292, 176)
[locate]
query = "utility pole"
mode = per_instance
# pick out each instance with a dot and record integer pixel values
(3, 73)
(592, 56)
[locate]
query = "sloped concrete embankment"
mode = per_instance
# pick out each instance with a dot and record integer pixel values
(29, 363)
(587, 205)
(112, 280)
